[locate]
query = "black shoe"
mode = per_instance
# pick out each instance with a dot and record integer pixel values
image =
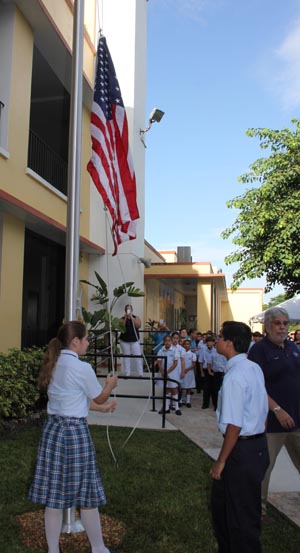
(178, 412)
(188, 405)
(161, 412)
(205, 406)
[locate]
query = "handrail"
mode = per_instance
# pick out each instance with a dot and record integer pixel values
(165, 378)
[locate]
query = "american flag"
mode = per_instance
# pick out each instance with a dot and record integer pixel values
(111, 166)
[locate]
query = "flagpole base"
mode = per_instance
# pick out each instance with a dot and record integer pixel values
(70, 524)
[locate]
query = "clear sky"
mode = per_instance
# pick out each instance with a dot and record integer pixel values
(216, 67)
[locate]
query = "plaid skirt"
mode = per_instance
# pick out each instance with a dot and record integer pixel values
(66, 473)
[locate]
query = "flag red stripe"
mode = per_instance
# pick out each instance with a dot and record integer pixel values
(111, 166)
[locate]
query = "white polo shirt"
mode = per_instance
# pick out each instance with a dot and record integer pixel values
(243, 399)
(72, 387)
(172, 355)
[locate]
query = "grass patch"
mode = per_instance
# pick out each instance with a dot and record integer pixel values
(160, 491)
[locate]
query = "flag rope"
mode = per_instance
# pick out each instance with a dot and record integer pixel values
(115, 457)
(110, 335)
(100, 18)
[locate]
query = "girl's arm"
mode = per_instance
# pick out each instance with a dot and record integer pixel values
(107, 407)
(111, 383)
(172, 367)
(187, 369)
(182, 367)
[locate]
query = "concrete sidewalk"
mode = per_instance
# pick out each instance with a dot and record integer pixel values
(198, 425)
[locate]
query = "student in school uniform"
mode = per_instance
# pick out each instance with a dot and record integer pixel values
(177, 342)
(216, 369)
(188, 381)
(67, 471)
(173, 371)
(243, 460)
(192, 336)
(199, 344)
(205, 358)
(183, 333)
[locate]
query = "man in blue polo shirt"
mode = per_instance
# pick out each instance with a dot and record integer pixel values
(279, 360)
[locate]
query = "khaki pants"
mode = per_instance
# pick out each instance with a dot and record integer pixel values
(276, 440)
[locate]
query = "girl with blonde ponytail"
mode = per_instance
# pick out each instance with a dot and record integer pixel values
(67, 473)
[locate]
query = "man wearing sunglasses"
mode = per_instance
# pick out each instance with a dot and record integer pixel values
(279, 360)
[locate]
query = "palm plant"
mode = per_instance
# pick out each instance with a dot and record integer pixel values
(102, 321)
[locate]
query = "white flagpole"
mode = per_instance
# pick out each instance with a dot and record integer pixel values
(74, 165)
(73, 206)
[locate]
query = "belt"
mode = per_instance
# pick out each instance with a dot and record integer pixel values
(253, 437)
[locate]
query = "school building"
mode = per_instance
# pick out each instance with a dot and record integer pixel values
(193, 294)
(35, 85)
(35, 92)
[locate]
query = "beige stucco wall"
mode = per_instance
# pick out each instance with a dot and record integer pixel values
(170, 256)
(241, 305)
(14, 179)
(151, 300)
(13, 170)
(204, 306)
(61, 11)
(11, 281)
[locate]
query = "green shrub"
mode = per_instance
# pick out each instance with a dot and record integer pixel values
(19, 395)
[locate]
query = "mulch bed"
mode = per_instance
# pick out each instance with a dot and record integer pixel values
(33, 534)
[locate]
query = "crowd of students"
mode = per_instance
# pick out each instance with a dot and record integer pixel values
(193, 361)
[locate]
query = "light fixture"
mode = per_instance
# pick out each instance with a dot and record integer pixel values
(155, 117)
(146, 261)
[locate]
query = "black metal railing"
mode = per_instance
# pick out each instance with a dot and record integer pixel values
(102, 357)
(44, 161)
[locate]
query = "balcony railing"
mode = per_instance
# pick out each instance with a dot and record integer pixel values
(47, 163)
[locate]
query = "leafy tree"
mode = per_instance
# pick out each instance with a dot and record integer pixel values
(267, 228)
(275, 301)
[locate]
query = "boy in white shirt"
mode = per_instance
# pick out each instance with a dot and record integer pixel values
(239, 470)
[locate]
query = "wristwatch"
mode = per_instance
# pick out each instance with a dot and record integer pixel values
(276, 409)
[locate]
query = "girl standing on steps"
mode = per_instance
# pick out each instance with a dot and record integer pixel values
(67, 473)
